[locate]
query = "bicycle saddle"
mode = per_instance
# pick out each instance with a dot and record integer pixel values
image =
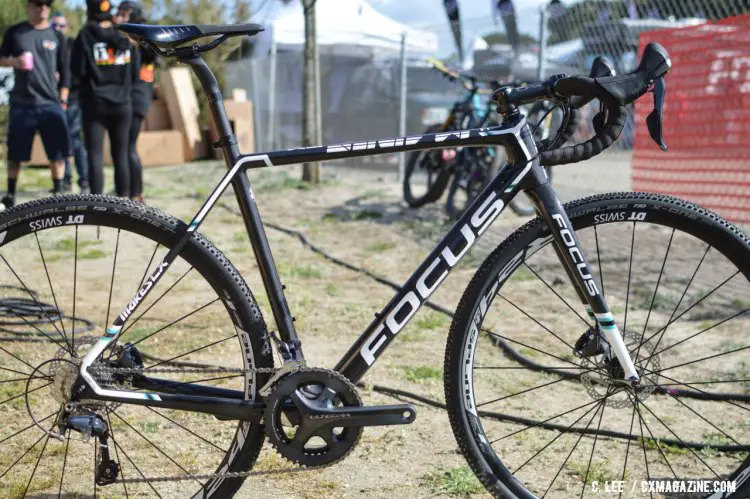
(172, 36)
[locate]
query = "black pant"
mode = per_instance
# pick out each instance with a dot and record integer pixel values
(116, 121)
(136, 172)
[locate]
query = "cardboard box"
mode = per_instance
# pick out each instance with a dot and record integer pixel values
(241, 119)
(156, 148)
(157, 117)
(182, 103)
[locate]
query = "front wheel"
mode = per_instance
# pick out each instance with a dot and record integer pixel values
(533, 419)
(69, 266)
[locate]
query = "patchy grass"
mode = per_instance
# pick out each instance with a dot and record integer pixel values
(599, 471)
(378, 246)
(92, 254)
(455, 482)
(422, 373)
(655, 445)
(303, 271)
(69, 243)
(367, 215)
(333, 289)
(522, 273)
(431, 320)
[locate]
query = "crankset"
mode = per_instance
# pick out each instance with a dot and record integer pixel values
(314, 417)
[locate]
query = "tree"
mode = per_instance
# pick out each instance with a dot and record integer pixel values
(310, 171)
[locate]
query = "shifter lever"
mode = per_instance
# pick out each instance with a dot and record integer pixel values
(654, 120)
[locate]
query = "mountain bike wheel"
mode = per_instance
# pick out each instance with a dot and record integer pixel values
(534, 420)
(475, 168)
(426, 175)
(86, 256)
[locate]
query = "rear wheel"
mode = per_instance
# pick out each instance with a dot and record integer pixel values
(427, 174)
(535, 420)
(71, 263)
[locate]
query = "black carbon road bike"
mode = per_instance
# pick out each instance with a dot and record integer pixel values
(604, 341)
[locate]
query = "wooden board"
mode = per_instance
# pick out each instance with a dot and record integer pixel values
(241, 118)
(182, 103)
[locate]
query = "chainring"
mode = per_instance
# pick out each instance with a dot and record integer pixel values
(289, 429)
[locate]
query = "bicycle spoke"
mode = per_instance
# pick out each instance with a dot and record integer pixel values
(696, 334)
(593, 446)
(31, 324)
(560, 434)
(62, 473)
(677, 383)
(117, 454)
(643, 443)
(558, 295)
(22, 455)
(679, 439)
(192, 351)
(524, 367)
(627, 449)
(158, 449)
(156, 301)
(51, 289)
(527, 390)
(94, 468)
(702, 359)
(32, 425)
(540, 423)
(656, 290)
(677, 399)
(690, 308)
(148, 482)
(679, 302)
(112, 279)
(580, 436)
(599, 260)
(187, 430)
(653, 438)
(500, 336)
(148, 266)
(75, 277)
(630, 274)
(176, 321)
(536, 321)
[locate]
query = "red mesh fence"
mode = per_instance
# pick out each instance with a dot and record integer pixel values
(706, 119)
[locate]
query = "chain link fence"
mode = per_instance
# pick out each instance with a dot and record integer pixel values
(361, 93)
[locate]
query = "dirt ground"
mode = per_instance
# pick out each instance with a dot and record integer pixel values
(360, 218)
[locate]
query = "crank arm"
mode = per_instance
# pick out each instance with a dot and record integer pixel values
(381, 415)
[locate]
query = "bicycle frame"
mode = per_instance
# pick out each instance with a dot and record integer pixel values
(523, 173)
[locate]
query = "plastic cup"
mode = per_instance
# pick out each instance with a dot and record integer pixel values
(27, 61)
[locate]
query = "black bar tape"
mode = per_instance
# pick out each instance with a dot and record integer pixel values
(599, 142)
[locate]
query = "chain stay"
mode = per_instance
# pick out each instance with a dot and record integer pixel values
(185, 370)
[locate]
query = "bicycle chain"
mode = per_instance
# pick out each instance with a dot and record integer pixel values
(184, 370)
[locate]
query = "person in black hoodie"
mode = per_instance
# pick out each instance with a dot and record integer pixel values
(106, 67)
(143, 95)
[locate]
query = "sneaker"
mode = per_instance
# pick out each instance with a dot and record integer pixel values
(8, 202)
(85, 189)
(67, 186)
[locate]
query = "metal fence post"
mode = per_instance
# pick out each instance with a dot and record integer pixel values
(402, 107)
(542, 67)
(272, 97)
(255, 96)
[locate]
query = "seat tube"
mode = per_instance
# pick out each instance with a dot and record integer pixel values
(571, 254)
(249, 209)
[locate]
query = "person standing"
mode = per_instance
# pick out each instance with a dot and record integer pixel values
(106, 68)
(143, 96)
(39, 58)
(75, 121)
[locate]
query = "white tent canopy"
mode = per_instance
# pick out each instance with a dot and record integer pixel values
(343, 23)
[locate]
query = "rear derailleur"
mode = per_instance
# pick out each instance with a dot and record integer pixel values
(92, 425)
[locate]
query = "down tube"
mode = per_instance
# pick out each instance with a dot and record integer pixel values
(431, 273)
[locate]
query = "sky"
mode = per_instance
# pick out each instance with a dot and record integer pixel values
(476, 17)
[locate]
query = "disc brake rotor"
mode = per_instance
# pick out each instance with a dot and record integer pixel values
(598, 381)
